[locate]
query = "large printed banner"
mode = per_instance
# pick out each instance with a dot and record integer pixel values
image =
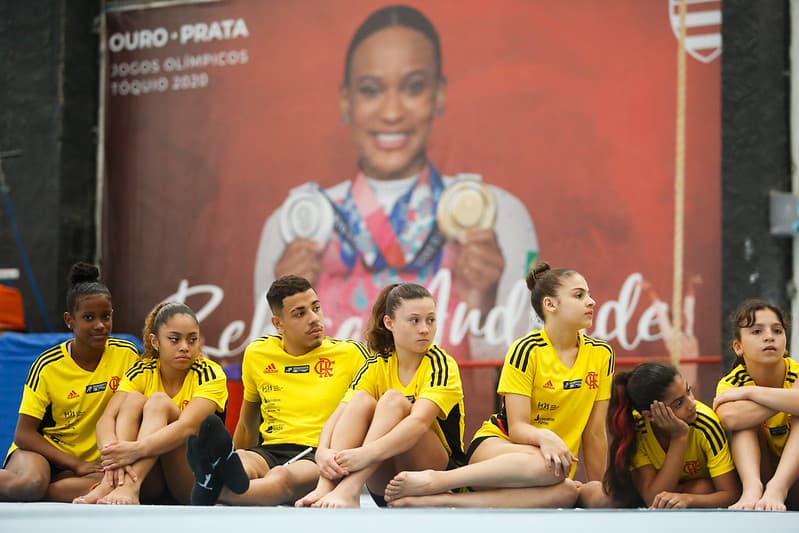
(239, 147)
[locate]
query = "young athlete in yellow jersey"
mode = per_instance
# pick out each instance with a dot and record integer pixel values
(555, 386)
(292, 383)
(403, 410)
(757, 401)
(162, 399)
(668, 451)
(54, 455)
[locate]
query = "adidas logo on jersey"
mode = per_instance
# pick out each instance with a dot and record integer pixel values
(270, 369)
(72, 395)
(549, 385)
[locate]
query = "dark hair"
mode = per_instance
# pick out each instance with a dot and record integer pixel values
(394, 16)
(284, 287)
(84, 281)
(378, 337)
(633, 390)
(159, 316)
(744, 317)
(545, 281)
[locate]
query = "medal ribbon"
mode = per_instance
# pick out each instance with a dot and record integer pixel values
(367, 231)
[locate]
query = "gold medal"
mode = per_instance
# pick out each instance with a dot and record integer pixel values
(466, 204)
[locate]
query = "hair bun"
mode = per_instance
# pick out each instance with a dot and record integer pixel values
(537, 273)
(83, 273)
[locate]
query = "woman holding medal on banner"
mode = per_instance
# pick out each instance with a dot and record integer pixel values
(399, 219)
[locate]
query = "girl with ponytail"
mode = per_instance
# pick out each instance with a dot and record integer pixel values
(404, 409)
(555, 386)
(667, 450)
(162, 400)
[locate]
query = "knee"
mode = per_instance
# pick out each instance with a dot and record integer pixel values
(29, 485)
(281, 479)
(133, 402)
(30, 489)
(159, 404)
(363, 402)
(395, 400)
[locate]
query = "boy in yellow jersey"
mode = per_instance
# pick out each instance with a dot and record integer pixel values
(293, 382)
(54, 455)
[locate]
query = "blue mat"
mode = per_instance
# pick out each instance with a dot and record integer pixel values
(17, 352)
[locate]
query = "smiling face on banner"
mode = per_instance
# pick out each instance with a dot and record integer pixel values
(559, 117)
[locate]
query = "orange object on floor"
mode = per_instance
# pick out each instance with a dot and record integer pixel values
(12, 312)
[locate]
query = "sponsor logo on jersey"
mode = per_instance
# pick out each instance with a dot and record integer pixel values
(410, 398)
(270, 369)
(691, 467)
(572, 384)
(97, 387)
(114, 383)
(297, 369)
(72, 395)
(549, 385)
(546, 406)
(324, 367)
(543, 420)
(274, 428)
(592, 380)
(778, 431)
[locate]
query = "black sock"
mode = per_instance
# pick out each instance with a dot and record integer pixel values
(216, 444)
(207, 485)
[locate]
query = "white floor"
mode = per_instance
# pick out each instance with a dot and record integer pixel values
(64, 518)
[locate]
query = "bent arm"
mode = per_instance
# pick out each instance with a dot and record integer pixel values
(520, 430)
(776, 400)
(743, 414)
(247, 434)
(27, 437)
(651, 482)
(727, 491)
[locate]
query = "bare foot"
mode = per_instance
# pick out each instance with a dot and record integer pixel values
(436, 500)
(772, 500)
(100, 490)
(126, 494)
(748, 500)
(411, 484)
(335, 499)
(322, 489)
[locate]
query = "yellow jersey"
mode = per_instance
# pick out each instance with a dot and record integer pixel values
(707, 453)
(298, 393)
(70, 400)
(205, 379)
(561, 397)
(777, 428)
(437, 379)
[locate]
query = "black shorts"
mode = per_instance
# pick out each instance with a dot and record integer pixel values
(473, 447)
(278, 454)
